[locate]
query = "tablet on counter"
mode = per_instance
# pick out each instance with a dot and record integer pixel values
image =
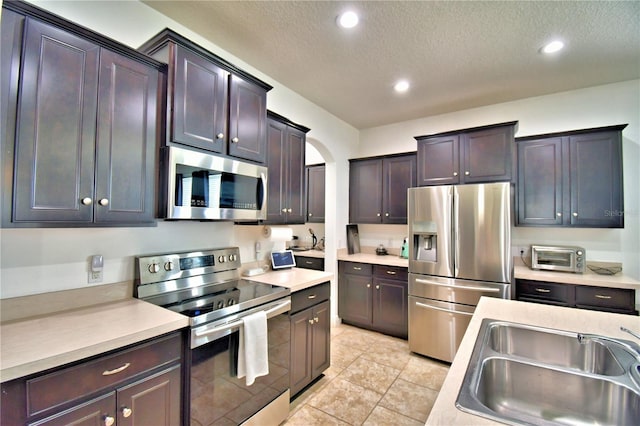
(282, 259)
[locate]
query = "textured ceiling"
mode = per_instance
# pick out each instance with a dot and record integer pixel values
(457, 55)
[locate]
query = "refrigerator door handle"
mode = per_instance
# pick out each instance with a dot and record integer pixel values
(462, 287)
(454, 257)
(422, 305)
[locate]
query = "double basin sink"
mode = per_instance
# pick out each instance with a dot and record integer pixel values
(521, 374)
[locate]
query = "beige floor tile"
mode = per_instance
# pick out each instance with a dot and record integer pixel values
(384, 354)
(360, 340)
(343, 355)
(346, 401)
(370, 374)
(382, 416)
(425, 372)
(410, 399)
(309, 416)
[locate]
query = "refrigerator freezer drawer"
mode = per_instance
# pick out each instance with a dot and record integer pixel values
(436, 328)
(454, 290)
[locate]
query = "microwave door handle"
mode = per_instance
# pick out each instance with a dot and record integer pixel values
(262, 191)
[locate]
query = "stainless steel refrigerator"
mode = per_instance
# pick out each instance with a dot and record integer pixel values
(459, 251)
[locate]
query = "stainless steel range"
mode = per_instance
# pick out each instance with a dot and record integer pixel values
(206, 286)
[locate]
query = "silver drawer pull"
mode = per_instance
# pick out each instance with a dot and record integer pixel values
(437, 308)
(543, 290)
(602, 296)
(116, 370)
(311, 296)
(357, 268)
(308, 262)
(108, 420)
(391, 272)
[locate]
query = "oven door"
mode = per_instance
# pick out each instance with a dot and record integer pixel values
(217, 394)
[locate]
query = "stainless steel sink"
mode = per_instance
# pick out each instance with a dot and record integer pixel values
(558, 348)
(520, 374)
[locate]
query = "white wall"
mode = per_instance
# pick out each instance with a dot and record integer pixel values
(579, 109)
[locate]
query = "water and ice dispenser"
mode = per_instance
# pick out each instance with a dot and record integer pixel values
(426, 246)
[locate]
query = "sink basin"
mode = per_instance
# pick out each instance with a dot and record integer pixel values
(557, 348)
(520, 374)
(533, 394)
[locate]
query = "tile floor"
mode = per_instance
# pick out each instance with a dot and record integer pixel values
(373, 380)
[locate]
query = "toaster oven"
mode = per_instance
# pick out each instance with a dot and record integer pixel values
(558, 258)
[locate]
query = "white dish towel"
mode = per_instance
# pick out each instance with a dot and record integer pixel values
(253, 352)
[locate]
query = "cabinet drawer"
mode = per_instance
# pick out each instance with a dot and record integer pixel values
(355, 268)
(310, 296)
(74, 382)
(544, 290)
(315, 263)
(615, 299)
(391, 272)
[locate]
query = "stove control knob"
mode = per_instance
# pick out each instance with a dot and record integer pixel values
(231, 302)
(220, 304)
(221, 259)
(168, 266)
(154, 268)
(232, 257)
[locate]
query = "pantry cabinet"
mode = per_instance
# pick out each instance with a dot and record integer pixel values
(141, 384)
(374, 297)
(310, 335)
(475, 155)
(211, 104)
(315, 193)
(85, 133)
(286, 200)
(378, 188)
(571, 179)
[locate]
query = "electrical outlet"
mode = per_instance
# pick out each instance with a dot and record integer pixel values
(95, 277)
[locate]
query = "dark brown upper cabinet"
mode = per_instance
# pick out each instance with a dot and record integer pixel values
(476, 155)
(211, 104)
(286, 200)
(378, 188)
(571, 179)
(85, 132)
(315, 193)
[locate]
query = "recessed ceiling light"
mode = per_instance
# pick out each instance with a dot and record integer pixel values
(553, 47)
(401, 86)
(348, 19)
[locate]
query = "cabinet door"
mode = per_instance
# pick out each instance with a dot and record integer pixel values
(595, 164)
(438, 160)
(98, 411)
(486, 155)
(354, 298)
(315, 194)
(321, 339)
(277, 160)
(199, 102)
(365, 191)
(301, 325)
(540, 182)
(390, 306)
(55, 146)
(247, 120)
(399, 174)
(154, 400)
(295, 192)
(126, 140)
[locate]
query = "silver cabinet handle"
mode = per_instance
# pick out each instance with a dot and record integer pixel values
(288, 210)
(368, 285)
(284, 210)
(558, 214)
(103, 202)
(357, 268)
(575, 214)
(310, 214)
(220, 136)
(126, 412)
(116, 370)
(467, 173)
(386, 214)
(543, 290)
(455, 173)
(86, 201)
(308, 262)
(311, 296)
(311, 321)
(602, 296)
(315, 319)
(235, 140)
(377, 287)
(378, 214)
(108, 420)
(391, 272)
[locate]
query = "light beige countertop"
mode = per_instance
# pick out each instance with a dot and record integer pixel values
(35, 344)
(444, 411)
(588, 278)
(368, 255)
(309, 253)
(295, 279)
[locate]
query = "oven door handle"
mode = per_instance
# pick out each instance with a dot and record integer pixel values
(462, 287)
(276, 310)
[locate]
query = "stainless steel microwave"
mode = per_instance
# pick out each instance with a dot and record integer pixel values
(202, 186)
(558, 258)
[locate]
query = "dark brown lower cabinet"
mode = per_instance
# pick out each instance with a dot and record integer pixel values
(617, 300)
(374, 297)
(140, 385)
(306, 262)
(310, 335)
